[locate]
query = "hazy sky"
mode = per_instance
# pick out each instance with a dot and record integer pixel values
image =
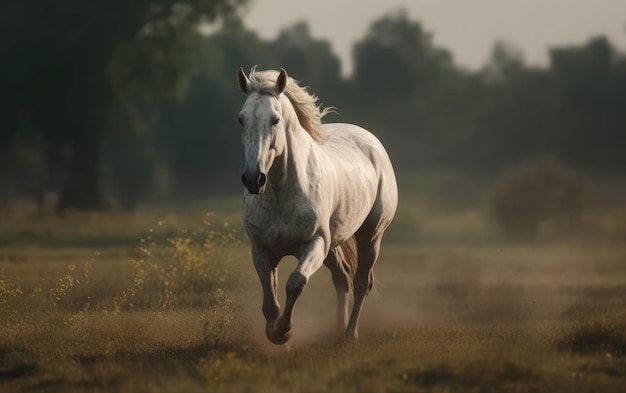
(468, 28)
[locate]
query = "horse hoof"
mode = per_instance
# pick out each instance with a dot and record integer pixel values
(279, 339)
(350, 337)
(276, 334)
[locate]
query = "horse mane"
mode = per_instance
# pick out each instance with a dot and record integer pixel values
(305, 104)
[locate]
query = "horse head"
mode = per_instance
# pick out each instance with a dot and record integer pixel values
(263, 135)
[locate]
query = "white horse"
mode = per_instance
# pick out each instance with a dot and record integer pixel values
(324, 193)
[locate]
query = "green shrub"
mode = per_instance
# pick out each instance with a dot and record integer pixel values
(540, 192)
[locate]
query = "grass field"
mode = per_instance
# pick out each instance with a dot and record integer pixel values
(168, 303)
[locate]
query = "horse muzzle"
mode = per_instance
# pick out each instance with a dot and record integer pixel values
(255, 183)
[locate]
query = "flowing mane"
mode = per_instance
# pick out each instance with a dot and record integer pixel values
(309, 113)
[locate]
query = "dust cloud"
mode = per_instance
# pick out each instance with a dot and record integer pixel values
(460, 286)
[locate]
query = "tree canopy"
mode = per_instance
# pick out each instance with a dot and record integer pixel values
(58, 77)
(117, 103)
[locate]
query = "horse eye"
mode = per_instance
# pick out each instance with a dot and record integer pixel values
(276, 121)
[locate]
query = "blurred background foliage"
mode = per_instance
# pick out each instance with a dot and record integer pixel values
(113, 105)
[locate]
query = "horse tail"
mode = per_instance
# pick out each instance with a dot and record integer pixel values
(349, 257)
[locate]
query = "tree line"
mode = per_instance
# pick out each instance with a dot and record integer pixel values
(113, 111)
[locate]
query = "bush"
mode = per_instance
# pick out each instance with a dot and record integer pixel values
(598, 333)
(540, 192)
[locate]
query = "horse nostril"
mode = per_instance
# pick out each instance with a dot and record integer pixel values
(243, 178)
(261, 180)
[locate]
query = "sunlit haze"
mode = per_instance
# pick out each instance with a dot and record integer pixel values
(467, 28)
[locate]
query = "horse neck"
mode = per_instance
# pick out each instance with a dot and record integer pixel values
(289, 171)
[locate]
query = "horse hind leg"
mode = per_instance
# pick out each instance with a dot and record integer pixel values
(341, 261)
(363, 282)
(341, 280)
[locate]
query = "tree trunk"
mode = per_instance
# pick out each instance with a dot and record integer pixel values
(81, 190)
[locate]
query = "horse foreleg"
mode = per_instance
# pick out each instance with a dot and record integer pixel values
(266, 268)
(310, 261)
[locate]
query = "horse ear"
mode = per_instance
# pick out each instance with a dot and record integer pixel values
(242, 80)
(281, 82)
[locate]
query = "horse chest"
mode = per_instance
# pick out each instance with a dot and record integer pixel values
(280, 226)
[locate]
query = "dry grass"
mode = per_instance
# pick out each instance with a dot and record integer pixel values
(180, 311)
(23, 227)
